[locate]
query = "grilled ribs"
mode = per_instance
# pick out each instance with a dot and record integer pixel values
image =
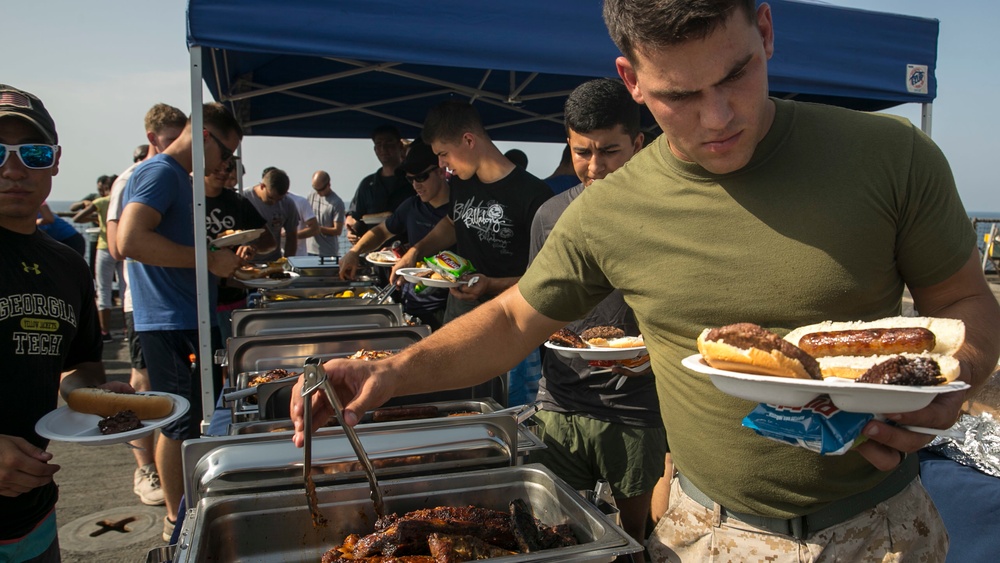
(458, 549)
(451, 534)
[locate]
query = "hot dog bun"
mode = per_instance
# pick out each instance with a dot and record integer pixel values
(949, 334)
(748, 348)
(107, 403)
(853, 367)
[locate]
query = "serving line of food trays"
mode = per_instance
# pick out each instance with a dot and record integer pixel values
(246, 499)
(290, 350)
(846, 394)
(319, 296)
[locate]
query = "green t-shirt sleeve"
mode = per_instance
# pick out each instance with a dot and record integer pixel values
(930, 247)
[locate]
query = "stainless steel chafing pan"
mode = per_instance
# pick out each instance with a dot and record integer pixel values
(276, 527)
(264, 322)
(526, 440)
(289, 351)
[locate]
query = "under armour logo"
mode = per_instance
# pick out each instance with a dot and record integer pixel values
(32, 268)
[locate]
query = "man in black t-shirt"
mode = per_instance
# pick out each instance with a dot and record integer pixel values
(225, 210)
(48, 329)
(492, 205)
(379, 194)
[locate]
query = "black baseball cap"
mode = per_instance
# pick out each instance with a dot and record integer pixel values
(420, 157)
(27, 106)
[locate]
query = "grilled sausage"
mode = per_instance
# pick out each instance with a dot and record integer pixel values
(868, 342)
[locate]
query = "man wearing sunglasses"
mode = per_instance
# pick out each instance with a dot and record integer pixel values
(414, 218)
(156, 231)
(329, 211)
(48, 329)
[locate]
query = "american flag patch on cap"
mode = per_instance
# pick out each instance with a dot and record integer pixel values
(14, 98)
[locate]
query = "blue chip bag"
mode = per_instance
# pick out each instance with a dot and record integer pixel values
(818, 426)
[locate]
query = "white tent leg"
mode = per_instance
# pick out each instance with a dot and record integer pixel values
(200, 247)
(926, 110)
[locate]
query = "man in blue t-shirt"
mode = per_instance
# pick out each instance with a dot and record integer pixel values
(156, 230)
(415, 217)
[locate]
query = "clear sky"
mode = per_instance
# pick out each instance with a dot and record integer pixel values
(99, 65)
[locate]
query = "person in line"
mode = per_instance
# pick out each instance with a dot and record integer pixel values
(489, 223)
(163, 124)
(103, 186)
(225, 210)
(837, 212)
(308, 225)
(415, 218)
(278, 211)
(156, 230)
(48, 316)
(60, 229)
(594, 427)
(138, 155)
(564, 176)
(518, 157)
(330, 214)
(379, 194)
(107, 269)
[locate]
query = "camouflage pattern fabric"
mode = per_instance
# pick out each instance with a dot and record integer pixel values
(905, 528)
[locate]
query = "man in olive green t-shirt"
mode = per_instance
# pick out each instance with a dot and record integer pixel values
(746, 209)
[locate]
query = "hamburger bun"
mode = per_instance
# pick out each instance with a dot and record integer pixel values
(748, 348)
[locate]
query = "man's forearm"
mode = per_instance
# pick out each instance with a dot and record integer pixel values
(441, 237)
(333, 231)
(84, 374)
(154, 249)
(291, 243)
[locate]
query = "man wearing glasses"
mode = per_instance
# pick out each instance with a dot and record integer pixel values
(48, 329)
(414, 218)
(156, 230)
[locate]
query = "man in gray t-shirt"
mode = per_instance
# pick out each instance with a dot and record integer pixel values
(279, 212)
(329, 210)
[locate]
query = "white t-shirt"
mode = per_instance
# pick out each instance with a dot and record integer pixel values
(114, 213)
(305, 214)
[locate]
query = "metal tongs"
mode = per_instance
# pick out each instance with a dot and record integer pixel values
(383, 294)
(314, 378)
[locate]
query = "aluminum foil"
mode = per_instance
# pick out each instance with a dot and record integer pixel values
(981, 449)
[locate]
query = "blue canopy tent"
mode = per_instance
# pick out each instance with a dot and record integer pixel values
(339, 68)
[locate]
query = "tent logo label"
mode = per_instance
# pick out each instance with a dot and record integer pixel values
(916, 79)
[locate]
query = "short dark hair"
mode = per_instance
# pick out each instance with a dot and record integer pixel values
(266, 170)
(641, 24)
(220, 118)
(451, 119)
(277, 180)
(140, 153)
(387, 130)
(518, 157)
(601, 104)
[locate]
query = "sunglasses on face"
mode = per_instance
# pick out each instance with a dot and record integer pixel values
(34, 156)
(224, 152)
(419, 178)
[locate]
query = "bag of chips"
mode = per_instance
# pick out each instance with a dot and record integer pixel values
(818, 426)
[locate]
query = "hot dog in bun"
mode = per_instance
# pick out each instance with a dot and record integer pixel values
(108, 403)
(849, 349)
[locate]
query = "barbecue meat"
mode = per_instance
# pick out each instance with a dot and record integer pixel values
(567, 338)
(122, 421)
(903, 370)
(458, 549)
(449, 534)
(408, 533)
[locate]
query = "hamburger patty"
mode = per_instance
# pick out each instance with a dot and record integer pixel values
(605, 332)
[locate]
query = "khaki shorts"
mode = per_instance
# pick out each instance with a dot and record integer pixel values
(582, 450)
(904, 528)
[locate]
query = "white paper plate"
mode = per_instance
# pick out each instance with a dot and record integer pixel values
(66, 425)
(269, 283)
(237, 239)
(595, 353)
(846, 394)
(410, 275)
(381, 258)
